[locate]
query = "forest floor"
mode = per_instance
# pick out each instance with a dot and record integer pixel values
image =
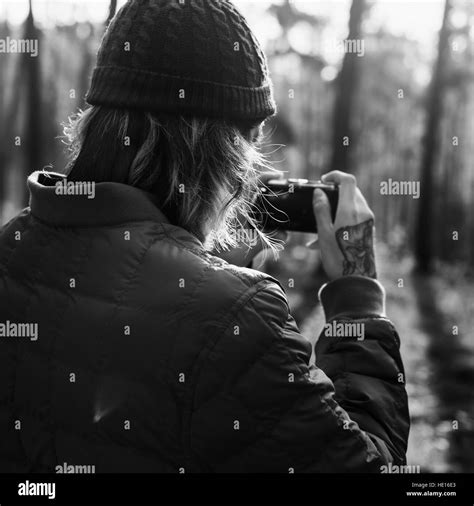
(438, 359)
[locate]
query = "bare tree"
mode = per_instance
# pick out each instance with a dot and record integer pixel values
(434, 111)
(346, 89)
(33, 122)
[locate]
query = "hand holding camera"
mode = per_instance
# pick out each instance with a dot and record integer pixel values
(347, 244)
(335, 209)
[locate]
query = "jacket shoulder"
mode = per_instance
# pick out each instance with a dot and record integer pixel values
(213, 285)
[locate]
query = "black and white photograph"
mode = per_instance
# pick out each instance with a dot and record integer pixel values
(237, 252)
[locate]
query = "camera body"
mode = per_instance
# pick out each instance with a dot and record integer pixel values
(287, 204)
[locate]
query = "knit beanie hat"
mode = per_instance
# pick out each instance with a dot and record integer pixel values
(184, 57)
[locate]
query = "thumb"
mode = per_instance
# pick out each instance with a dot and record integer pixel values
(322, 213)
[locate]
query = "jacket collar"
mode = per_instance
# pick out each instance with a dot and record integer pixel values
(55, 201)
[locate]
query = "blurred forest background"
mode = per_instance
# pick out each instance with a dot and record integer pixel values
(399, 108)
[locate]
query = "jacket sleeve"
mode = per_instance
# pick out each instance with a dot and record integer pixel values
(367, 371)
(274, 412)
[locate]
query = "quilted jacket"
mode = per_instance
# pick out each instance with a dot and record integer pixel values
(151, 355)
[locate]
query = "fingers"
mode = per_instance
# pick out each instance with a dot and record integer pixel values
(352, 207)
(338, 177)
(363, 206)
(347, 183)
(322, 213)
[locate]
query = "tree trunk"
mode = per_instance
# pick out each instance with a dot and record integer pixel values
(346, 89)
(33, 141)
(434, 109)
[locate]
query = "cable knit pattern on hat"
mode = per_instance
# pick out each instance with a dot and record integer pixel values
(183, 57)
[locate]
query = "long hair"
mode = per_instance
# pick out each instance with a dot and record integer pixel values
(204, 172)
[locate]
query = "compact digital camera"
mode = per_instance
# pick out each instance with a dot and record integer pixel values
(287, 204)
